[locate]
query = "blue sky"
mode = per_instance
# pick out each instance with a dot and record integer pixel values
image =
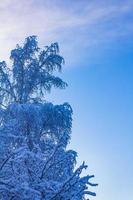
(96, 40)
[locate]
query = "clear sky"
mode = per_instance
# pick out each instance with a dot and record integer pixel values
(96, 40)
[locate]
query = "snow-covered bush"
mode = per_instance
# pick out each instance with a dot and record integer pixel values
(34, 161)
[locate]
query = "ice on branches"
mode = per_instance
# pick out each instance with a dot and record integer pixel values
(31, 73)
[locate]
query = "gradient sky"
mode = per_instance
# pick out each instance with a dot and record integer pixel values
(96, 40)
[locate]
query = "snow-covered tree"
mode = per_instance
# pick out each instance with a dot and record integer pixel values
(34, 161)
